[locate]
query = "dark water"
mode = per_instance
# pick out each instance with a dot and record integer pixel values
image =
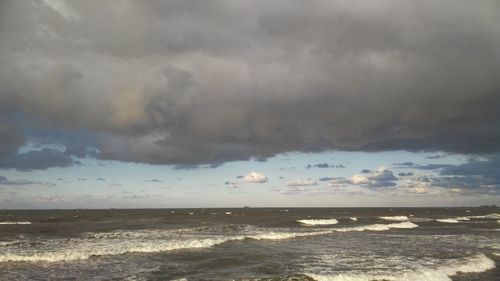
(252, 244)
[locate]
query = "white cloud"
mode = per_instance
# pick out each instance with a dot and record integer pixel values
(360, 179)
(255, 178)
(380, 178)
(306, 182)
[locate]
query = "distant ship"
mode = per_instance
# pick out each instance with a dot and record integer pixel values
(246, 207)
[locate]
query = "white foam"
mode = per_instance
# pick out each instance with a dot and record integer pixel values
(8, 243)
(448, 220)
(466, 218)
(283, 235)
(154, 240)
(15, 222)
(395, 218)
(87, 250)
(377, 227)
(489, 216)
(354, 219)
(318, 221)
(474, 264)
(117, 243)
(227, 213)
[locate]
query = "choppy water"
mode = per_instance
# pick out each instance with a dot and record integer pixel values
(252, 244)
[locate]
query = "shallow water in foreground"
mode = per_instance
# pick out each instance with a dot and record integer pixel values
(340, 244)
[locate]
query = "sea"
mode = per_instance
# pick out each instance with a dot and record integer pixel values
(336, 244)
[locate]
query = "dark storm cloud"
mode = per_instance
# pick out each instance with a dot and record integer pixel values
(37, 160)
(10, 138)
(407, 174)
(196, 82)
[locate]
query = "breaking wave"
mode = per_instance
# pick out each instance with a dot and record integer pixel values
(395, 218)
(152, 241)
(318, 221)
(468, 218)
(8, 243)
(105, 244)
(15, 222)
(473, 264)
(490, 216)
(448, 220)
(377, 227)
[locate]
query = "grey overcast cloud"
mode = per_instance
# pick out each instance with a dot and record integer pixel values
(164, 90)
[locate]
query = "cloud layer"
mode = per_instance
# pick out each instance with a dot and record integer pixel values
(190, 83)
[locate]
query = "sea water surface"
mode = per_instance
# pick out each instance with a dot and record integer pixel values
(340, 244)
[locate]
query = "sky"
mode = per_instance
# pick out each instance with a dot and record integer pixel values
(133, 104)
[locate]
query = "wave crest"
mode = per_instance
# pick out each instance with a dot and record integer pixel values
(377, 227)
(318, 221)
(395, 218)
(15, 222)
(121, 242)
(473, 264)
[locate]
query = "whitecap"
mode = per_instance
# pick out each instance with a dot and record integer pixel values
(318, 221)
(377, 227)
(450, 220)
(354, 219)
(122, 242)
(473, 264)
(15, 222)
(395, 218)
(9, 243)
(489, 216)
